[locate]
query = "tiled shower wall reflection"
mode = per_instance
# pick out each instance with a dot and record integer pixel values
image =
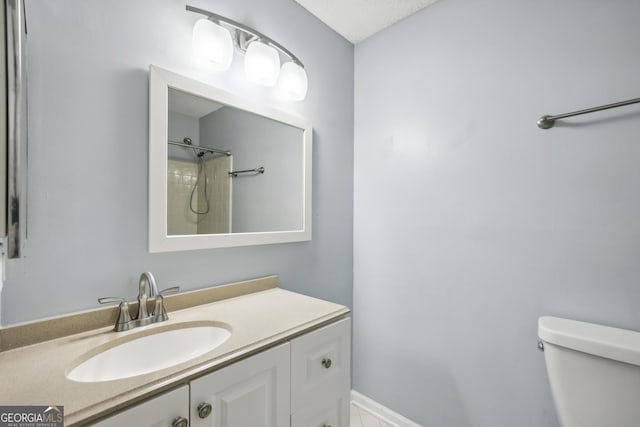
(181, 178)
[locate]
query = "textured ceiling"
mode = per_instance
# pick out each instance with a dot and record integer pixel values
(356, 20)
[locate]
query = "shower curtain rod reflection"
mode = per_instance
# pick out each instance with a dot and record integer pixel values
(197, 147)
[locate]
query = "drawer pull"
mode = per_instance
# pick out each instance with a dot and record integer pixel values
(326, 425)
(326, 362)
(180, 422)
(204, 410)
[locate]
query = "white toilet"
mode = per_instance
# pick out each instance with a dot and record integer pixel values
(594, 372)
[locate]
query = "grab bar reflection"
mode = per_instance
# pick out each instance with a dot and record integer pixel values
(255, 171)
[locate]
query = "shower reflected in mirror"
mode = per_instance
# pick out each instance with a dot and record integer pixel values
(229, 170)
(224, 170)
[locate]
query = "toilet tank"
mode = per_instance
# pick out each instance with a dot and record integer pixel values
(594, 372)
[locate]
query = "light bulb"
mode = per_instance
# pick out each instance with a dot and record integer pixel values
(292, 82)
(213, 43)
(262, 64)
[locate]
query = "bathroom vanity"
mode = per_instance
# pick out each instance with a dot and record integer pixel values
(285, 363)
(303, 382)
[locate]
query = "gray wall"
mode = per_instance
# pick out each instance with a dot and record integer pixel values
(267, 202)
(88, 106)
(470, 222)
(180, 127)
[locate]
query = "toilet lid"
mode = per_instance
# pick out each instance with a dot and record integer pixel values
(604, 341)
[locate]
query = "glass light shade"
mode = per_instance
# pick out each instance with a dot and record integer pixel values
(292, 82)
(262, 64)
(212, 42)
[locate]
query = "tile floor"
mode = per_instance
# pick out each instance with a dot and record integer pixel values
(363, 418)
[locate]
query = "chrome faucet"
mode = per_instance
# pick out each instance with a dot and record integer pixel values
(147, 289)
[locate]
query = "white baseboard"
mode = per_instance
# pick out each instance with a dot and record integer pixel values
(381, 412)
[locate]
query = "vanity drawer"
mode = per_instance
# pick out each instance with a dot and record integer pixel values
(162, 410)
(321, 365)
(332, 412)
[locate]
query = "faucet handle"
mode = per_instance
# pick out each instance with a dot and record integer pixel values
(109, 300)
(169, 291)
(159, 312)
(124, 318)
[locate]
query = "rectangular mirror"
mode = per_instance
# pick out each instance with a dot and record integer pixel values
(223, 171)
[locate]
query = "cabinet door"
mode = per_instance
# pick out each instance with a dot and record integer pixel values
(251, 393)
(326, 412)
(160, 411)
(321, 365)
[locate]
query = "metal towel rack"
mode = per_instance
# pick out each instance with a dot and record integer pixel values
(255, 171)
(547, 122)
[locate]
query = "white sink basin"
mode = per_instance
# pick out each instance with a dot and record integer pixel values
(150, 353)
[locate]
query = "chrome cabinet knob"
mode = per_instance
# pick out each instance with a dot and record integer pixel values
(204, 410)
(180, 422)
(326, 362)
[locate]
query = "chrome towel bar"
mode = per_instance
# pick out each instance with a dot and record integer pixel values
(547, 122)
(255, 171)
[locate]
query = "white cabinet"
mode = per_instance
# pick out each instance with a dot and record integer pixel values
(326, 412)
(302, 383)
(166, 410)
(321, 377)
(251, 393)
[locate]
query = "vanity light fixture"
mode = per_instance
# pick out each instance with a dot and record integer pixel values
(292, 82)
(262, 60)
(212, 43)
(261, 64)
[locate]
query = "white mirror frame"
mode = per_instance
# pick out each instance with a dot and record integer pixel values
(160, 80)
